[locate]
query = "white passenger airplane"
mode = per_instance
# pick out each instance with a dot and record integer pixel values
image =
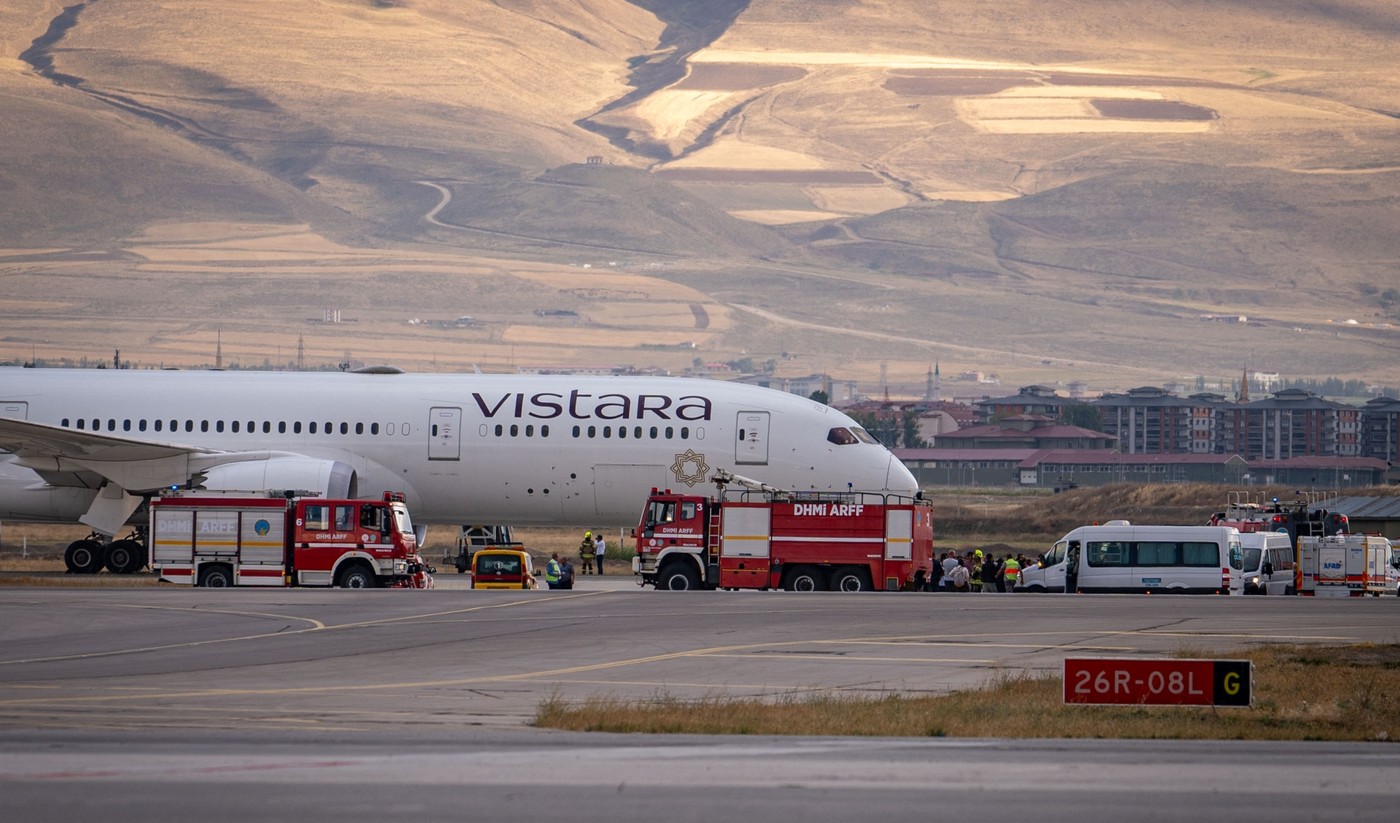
(93, 445)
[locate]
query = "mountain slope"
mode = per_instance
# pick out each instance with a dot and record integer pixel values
(1045, 190)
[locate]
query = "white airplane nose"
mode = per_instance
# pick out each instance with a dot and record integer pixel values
(898, 478)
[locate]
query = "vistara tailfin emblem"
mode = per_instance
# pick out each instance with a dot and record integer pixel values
(690, 468)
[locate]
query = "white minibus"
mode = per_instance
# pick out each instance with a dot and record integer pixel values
(1119, 557)
(1268, 563)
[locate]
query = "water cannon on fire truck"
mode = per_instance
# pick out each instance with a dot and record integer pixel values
(758, 536)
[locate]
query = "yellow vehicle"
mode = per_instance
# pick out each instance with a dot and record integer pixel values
(502, 569)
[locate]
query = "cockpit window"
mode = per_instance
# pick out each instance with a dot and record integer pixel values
(865, 436)
(841, 436)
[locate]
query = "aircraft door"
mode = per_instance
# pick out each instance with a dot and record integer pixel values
(14, 409)
(751, 438)
(445, 433)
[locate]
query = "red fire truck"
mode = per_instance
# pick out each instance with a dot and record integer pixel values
(764, 538)
(279, 538)
(1308, 516)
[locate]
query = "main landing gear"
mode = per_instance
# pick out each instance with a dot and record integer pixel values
(94, 552)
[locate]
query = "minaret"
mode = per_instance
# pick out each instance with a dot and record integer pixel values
(928, 386)
(219, 349)
(1244, 386)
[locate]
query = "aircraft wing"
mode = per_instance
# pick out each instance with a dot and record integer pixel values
(134, 465)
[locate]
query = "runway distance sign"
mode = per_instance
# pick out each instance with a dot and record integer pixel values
(1158, 682)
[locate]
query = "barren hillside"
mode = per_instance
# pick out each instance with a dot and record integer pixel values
(1045, 191)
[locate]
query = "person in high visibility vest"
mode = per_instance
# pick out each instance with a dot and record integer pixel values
(1012, 574)
(552, 572)
(585, 553)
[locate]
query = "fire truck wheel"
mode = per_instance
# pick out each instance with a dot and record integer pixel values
(84, 557)
(125, 556)
(805, 579)
(358, 576)
(677, 577)
(216, 576)
(850, 579)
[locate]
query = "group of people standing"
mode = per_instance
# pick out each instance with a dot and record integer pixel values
(976, 572)
(560, 574)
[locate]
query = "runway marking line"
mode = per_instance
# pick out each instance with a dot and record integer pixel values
(717, 651)
(317, 626)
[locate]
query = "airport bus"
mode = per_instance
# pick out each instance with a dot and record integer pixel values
(1120, 558)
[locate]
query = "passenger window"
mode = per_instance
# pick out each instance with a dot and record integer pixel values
(344, 517)
(372, 517)
(1200, 554)
(1108, 553)
(1158, 554)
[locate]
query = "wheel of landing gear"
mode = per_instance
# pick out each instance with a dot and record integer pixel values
(125, 556)
(84, 557)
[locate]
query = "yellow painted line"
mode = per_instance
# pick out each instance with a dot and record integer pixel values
(850, 658)
(550, 674)
(316, 626)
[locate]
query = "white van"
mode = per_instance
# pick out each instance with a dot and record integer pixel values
(1121, 558)
(1268, 563)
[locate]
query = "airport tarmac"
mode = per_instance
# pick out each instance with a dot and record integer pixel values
(277, 696)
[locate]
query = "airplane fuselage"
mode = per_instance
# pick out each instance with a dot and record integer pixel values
(466, 448)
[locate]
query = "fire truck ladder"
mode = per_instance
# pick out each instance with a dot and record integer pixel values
(712, 547)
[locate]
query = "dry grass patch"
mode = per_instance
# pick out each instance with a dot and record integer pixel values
(1301, 693)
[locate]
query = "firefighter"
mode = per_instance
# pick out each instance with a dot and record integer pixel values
(585, 554)
(552, 572)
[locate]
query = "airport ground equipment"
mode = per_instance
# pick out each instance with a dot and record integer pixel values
(1307, 516)
(1344, 565)
(284, 538)
(759, 537)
